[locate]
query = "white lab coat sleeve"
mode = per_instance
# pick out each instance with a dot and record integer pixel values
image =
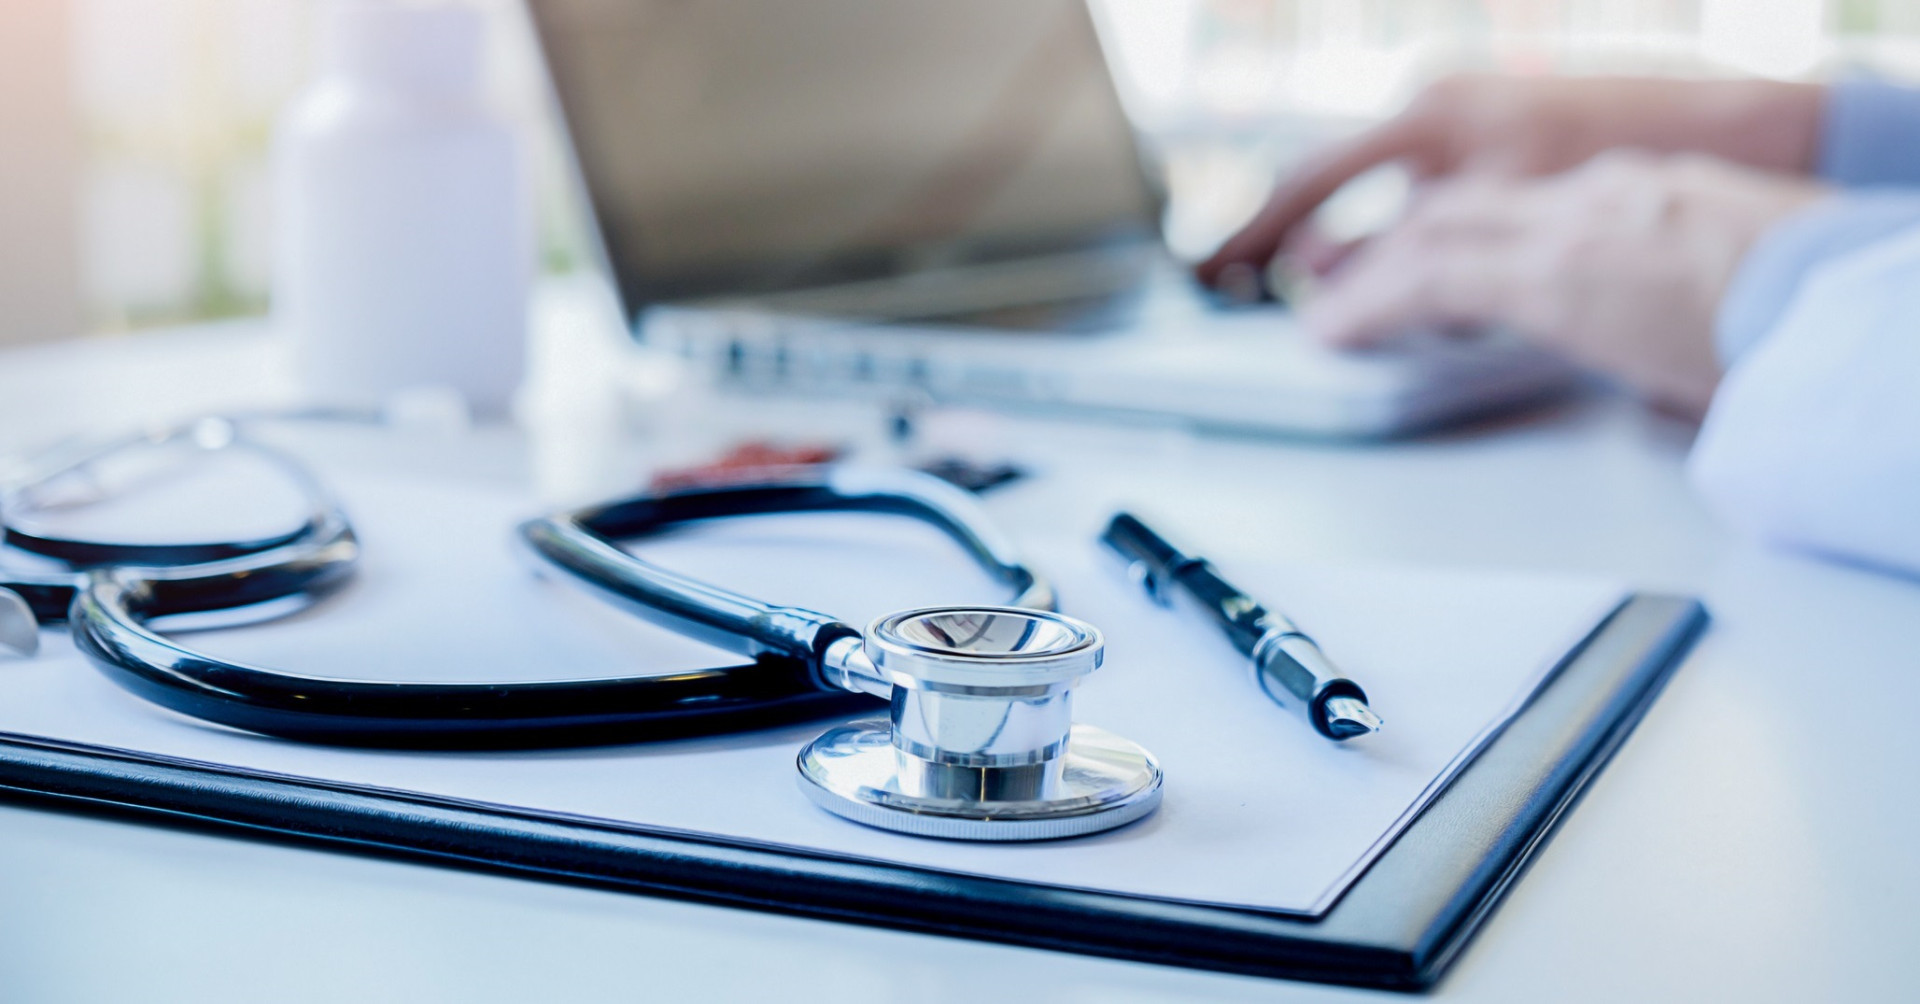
(1813, 440)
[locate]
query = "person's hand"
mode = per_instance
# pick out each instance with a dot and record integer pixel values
(1620, 264)
(1517, 127)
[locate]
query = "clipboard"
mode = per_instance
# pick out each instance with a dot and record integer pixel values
(1399, 926)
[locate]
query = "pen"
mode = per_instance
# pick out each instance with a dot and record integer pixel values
(1288, 665)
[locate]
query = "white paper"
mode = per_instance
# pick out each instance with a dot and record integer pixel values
(1259, 811)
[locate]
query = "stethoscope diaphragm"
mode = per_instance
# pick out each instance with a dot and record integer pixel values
(980, 742)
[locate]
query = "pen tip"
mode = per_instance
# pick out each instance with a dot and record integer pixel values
(1347, 718)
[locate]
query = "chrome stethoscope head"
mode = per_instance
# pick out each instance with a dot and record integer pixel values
(980, 742)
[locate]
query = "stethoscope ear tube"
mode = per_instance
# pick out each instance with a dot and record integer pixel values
(208, 436)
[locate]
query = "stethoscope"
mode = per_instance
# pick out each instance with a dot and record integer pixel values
(979, 742)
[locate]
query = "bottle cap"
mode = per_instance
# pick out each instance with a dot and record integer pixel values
(424, 48)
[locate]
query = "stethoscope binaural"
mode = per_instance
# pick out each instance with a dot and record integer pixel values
(979, 743)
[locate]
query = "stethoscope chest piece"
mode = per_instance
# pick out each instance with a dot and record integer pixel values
(980, 743)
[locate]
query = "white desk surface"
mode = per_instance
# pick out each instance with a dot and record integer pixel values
(1754, 840)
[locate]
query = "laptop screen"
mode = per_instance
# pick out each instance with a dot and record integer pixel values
(740, 147)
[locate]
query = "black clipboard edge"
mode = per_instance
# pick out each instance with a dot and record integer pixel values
(1399, 927)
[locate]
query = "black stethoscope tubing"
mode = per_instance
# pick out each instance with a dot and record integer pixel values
(109, 607)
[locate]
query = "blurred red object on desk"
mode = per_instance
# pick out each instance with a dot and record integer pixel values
(749, 461)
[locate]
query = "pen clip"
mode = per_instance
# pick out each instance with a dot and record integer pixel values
(1149, 560)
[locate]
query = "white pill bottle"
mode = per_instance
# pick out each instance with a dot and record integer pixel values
(405, 242)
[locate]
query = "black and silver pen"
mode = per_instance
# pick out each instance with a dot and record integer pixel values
(1288, 665)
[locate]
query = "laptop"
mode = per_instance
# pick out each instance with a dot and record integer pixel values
(945, 200)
